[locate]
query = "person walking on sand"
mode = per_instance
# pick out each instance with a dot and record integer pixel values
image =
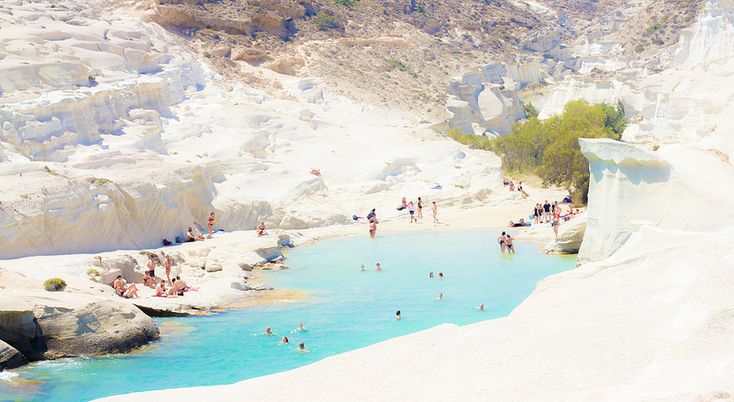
(420, 208)
(434, 210)
(509, 243)
(411, 211)
(211, 224)
(167, 265)
(502, 240)
(373, 228)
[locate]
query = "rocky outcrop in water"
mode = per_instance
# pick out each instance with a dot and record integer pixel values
(570, 237)
(40, 326)
(10, 357)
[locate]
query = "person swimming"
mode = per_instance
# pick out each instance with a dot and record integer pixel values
(361, 267)
(430, 275)
(439, 297)
(397, 315)
(481, 307)
(302, 348)
(284, 340)
(378, 267)
(300, 328)
(440, 275)
(268, 332)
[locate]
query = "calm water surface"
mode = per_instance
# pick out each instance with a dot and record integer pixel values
(345, 309)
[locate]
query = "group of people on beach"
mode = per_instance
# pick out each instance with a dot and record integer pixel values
(415, 209)
(176, 285)
(192, 235)
(285, 341)
(545, 212)
(511, 186)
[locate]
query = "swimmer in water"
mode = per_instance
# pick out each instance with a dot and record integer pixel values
(284, 340)
(361, 267)
(440, 275)
(300, 328)
(378, 267)
(397, 315)
(302, 348)
(481, 307)
(268, 332)
(430, 275)
(439, 297)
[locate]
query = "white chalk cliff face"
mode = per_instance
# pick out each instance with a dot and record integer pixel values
(113, 136)
(682, 184)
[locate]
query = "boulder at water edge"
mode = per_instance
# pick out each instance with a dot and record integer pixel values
(44, 326)
(10, 357)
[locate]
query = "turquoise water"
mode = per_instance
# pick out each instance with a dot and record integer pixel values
(345, 309)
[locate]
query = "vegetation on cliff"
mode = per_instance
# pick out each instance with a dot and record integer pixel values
(550, 147)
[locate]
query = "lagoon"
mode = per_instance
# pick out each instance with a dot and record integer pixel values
(344, 309)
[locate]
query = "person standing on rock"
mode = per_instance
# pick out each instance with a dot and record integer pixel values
(411, 211)
(373, 227)
(167, 265)
(420, 208)
(546, 212)
(211, 224)
(151, 268)
(434, 210)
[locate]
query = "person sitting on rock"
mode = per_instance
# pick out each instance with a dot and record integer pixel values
(148, 281)
(172, 292)
(160, 289)
(179, 285)
(123, 290)
(190, 236)
(261, 229)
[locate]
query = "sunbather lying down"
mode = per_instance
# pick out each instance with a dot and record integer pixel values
(316, 172)
(522, 223)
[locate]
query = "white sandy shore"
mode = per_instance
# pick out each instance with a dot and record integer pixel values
(229, 250)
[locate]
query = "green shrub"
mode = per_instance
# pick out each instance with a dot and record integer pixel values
(346, 3)
(93, 271)
(51, 171)
(472, 140)
(550, 148)
(397, 64)
(530, 110)
(54, 284)
(655, 26)
(326, 21)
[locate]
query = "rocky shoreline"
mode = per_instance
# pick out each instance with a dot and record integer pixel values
(88, 318)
